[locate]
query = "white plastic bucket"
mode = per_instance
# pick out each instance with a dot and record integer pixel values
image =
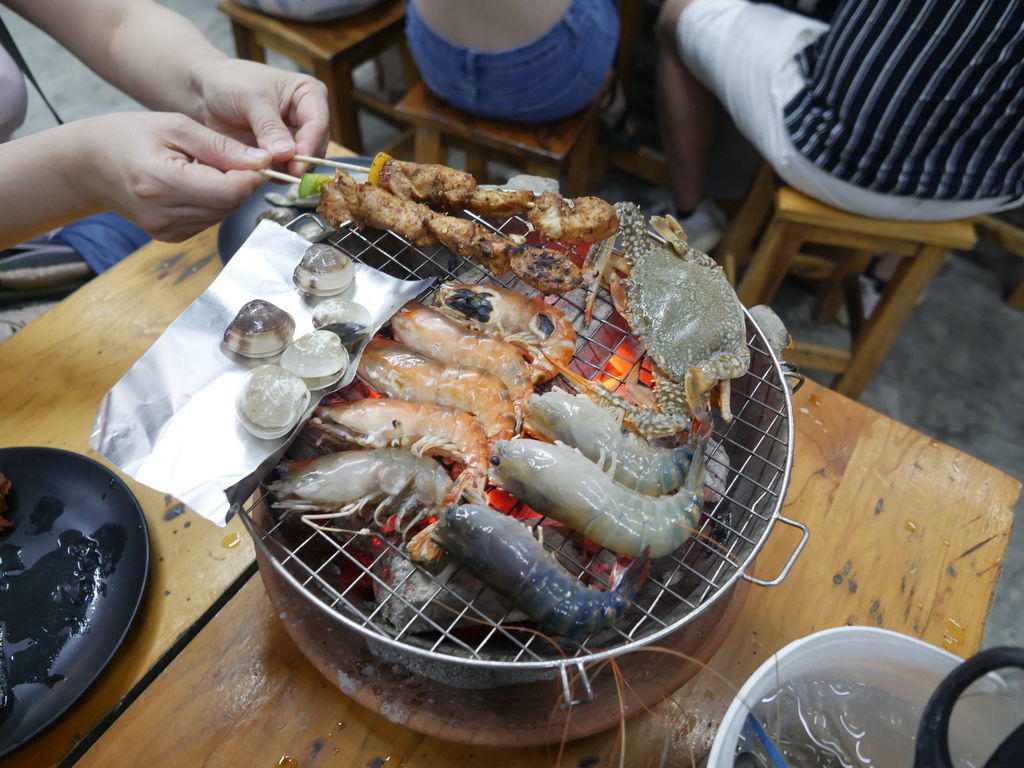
(903, 666)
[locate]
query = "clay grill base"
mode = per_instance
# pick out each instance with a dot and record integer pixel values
(520, 715)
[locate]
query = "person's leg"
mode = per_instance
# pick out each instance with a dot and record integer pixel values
(687, 113)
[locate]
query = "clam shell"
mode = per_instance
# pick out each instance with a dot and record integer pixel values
(276, 214)
(260, 329)
(316, 355)
(324, 270)
(347, 319)
(271, 401)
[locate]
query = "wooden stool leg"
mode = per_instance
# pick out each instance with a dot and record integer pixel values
(245, 44)
(1016, 299)
(476, 164)
(337, 76)
(581, 157)
(601, 159)
(543, 168)
(1011, 239)
(899, 298)
(771, 262)
(409, 69)
(428, 145)
(734, 250)
(831, 296)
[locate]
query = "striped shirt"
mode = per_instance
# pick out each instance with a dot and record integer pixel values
(919, 98)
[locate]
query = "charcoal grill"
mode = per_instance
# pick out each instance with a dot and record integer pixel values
(302, 566)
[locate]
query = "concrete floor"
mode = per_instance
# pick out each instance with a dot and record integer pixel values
(955, 373)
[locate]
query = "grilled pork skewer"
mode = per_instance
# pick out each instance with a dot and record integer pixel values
(547, 270)
(580, 220)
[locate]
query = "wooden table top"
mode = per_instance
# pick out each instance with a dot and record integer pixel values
(906, 533)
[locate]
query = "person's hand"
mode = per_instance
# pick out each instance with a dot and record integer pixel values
(169, 174)
(283, 112)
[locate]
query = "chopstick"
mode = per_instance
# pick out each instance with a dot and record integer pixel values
(331, 163)
(317, 161)
(280, 176)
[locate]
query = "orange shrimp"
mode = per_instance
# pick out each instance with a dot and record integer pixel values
(422, 428)
(428, 331)
(539, 329)
(397, 371)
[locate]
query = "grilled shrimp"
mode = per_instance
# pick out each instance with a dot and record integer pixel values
(342, 484)
(423, 428)
(541, 330)
(562, 483)
(595, 431)
(397, 371)
(504, 554)
(428, 331)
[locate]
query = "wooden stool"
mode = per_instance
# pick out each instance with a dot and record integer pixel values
(330, 51)
(544, 149)
(797, 220)
(1010, 239)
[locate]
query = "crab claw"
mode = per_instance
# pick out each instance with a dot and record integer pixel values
(698, 384)
(672, 231)
(594, 267)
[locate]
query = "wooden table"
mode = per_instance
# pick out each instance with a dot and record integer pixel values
(906, 533)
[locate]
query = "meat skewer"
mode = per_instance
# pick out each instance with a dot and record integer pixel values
(343, 199)
(577, 220)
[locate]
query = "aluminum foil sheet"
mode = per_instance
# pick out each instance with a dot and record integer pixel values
(170, 423)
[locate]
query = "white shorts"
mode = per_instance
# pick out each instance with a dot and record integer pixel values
(745, 54)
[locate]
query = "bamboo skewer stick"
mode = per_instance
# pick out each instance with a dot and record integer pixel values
(331, 163)
(280, 176)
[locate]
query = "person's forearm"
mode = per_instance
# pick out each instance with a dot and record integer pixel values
(137, 45)
(45, 184)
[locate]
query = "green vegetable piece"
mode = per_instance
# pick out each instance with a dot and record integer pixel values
(311, 182)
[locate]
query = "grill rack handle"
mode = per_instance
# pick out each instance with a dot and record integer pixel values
(792, 371)
(568, 702)
(804, 536)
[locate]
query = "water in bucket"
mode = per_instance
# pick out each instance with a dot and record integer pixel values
(828, 722)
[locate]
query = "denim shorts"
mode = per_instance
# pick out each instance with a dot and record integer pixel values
(546, 79)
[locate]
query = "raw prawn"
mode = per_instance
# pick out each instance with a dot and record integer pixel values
(505, 555)
(542, 331)
(397, 371)
(562, 483)
(423, 428)
(428, 331)
(598, 434)
(342, 484)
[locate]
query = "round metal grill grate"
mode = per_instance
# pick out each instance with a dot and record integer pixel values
(366, 582)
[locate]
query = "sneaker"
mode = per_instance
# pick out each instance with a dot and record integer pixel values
(705, 226)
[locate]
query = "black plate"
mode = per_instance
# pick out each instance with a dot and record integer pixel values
(237, 227)
(79, 535)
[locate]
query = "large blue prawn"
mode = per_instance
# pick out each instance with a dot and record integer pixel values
(504, 554)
